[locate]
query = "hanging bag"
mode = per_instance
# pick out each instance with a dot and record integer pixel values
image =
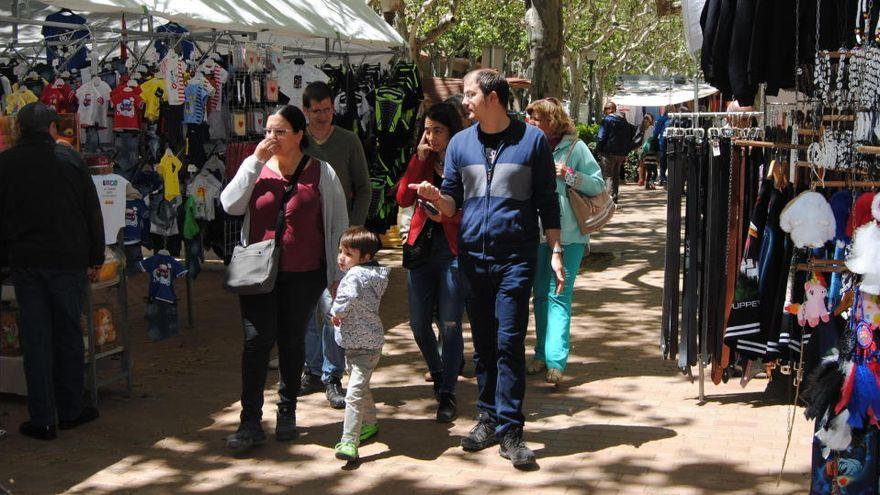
(254, 268)
(419, 253)
(591, 212)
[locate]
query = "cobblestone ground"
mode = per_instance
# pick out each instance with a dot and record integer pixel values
(624, 421)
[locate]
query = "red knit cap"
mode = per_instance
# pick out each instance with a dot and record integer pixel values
(861, 213)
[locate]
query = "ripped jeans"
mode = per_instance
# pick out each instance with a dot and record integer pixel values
(437, 286)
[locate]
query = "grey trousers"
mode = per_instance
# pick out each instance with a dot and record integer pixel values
(611, 165)
(359, 406)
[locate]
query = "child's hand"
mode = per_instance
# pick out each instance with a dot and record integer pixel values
(336, 321)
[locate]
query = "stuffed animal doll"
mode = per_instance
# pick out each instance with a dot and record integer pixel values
(813, 309)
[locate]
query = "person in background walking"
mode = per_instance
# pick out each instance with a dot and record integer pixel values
(433, 280)
(659, 131)
(342, 150)
(614, 143)
(575, 167)
(52, 239)
(647, 131)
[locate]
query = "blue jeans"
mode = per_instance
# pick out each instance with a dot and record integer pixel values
(92, 141)
(323, 354)
(438, 284)
(50, 304)
(127, 152)
(498, 307)
(162, 320)
(552, 311)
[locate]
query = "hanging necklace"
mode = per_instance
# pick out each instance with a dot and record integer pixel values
(323, 140)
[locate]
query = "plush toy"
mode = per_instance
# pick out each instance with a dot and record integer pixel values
(813, 309)
(809, 220)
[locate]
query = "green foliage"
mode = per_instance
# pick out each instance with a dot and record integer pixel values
(587, 133)
(631, 167)
(479, 23)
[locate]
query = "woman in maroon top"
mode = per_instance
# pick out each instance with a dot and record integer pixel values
(315, 216)
(432, 278)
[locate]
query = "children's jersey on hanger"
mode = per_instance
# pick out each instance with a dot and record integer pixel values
(196, 99)
(163, 269)
(293, 79)
(153, 93)
(67, 38)
(172, 69)
(127, 105)
(61, 98)
(186, 46)
(94, 98)
(136, 217)
(217, 79)
(205, 188)
(168, 168)
(19, 98)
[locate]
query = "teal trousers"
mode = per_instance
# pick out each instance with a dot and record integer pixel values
(553, 312)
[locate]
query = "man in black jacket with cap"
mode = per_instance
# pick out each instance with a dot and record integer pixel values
(51, 238)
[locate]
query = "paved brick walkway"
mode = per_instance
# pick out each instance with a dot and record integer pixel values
(624, 422)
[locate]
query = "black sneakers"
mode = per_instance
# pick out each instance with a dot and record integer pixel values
(285, 423)
(335, 394)
(87, 414)
(309, 384)
(40, 432)
(248, 435)
(446, 411)
(514, 448)
(481, 436)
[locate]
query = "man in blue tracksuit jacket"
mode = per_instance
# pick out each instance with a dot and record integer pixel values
(501, 174)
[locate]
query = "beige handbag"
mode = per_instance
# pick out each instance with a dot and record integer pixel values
(591, 212)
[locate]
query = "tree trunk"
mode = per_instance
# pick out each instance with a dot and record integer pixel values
(544, 27)
(576, 87)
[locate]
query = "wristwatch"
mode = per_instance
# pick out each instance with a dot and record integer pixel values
(557, 250)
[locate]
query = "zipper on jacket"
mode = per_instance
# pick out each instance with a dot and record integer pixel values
(490, 172)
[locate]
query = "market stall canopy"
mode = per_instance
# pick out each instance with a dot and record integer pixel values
(305, 23)
(655, 91)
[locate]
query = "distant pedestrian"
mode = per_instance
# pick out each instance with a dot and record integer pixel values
(615, 140)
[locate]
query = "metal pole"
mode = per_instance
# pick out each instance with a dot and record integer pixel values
(590, 103)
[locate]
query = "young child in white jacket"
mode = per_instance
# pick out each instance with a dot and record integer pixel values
(359, 331)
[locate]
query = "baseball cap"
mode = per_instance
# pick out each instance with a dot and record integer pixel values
(36, 117)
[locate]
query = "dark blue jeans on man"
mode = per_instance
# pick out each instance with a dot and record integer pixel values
(324, 357)
(50, 303)
(498, 308)
(437, 284)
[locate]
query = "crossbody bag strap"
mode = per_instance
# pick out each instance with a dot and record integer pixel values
(568, 155)
(288, 192)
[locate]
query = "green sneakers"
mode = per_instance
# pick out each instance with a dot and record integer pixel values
(368, 432)
(346, 451)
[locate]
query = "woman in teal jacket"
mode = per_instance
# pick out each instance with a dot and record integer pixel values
(575, 167)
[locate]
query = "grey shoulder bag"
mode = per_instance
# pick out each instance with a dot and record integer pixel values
(254, 268)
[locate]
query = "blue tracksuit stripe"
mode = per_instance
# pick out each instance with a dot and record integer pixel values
(501, 208)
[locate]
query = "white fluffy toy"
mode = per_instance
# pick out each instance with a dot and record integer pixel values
(864, 258)
(809, 220)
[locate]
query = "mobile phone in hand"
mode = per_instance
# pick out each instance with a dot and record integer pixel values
(429, 207)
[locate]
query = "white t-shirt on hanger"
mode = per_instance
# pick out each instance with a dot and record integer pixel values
(94, 101)
(293, 79)
(111, 194)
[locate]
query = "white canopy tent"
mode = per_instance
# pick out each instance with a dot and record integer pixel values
(657, 91)
(341, 26)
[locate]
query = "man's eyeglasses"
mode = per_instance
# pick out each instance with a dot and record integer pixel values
(277, 132)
